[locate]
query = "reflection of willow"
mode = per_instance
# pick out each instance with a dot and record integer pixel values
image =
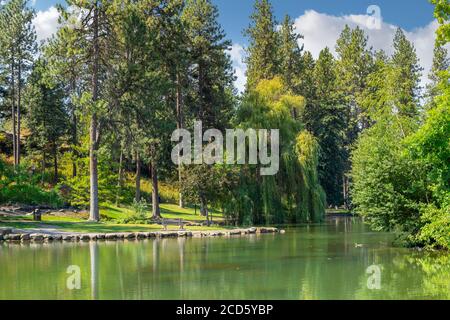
(93, 250)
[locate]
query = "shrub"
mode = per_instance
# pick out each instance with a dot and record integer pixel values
(140, 209)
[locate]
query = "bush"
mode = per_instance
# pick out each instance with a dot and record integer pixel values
(436, 229)
(140, 209)
(76, 190)
(29, 194)
(21, 187)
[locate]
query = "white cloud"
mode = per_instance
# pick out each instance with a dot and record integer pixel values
(322, 30)
(237, 54)
(46, 23)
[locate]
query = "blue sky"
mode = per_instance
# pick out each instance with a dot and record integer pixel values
(234, 14)
(320, 21)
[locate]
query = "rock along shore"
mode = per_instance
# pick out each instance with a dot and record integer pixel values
(9, 235)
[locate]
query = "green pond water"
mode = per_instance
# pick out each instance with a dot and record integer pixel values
(340, 259)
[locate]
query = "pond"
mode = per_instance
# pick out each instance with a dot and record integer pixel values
(339, 259)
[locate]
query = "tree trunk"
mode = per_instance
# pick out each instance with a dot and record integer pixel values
(120, 176)
(156, 212)
(345, 191)
(204, 208)
(93, 167)
(55, 163)
(94, 214)
(138, 177)
(43, 168)
(180, 126)
(19, 101)
(13, 113)
(74, 138)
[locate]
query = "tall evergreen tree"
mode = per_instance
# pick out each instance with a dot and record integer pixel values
(91, 25)
(262, 59)
(328, 126)
(47, 117)
(17, 49)
(406, 75)
(307, 88)
(210, 69)
(354, 64)
(290, 54)
(441, 63)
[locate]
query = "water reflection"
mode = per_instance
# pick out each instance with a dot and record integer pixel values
(326, 261)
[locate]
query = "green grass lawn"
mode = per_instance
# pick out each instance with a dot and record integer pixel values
(92, 227)
(72, 224)
(168, 211)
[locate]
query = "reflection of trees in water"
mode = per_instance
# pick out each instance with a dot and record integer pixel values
(38, 270)
(406, 274)
(94, 263)
(318, 262)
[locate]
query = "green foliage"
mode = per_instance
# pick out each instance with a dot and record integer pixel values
(441, 64)
(294, 194)
(442, 14)
(140, 208)
(436, 226)
(21, 187)
(406, 75)
(324, 117)
(262, 60)
(383, 177)
(290, 55)
(401, 175)
(75, 190)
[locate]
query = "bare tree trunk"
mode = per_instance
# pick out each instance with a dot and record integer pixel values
(55, 162)
(156, 212)
(94, 214)
(180, 126)
(138, 177)
(345, 191)
(43, 168)
(19, 101)
(13, 113)
(120, 176)
(74, 142)
(74, 132)
(204, 208)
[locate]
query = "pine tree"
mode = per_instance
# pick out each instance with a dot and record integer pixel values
(328, 126)
(90, 25)
(441, 63)
(210, 69)
(377, 96)
(18, 46)
(262, 60)
(290, 55)
(46, 118)
(307, 88)
(406, 75)
(354, 64)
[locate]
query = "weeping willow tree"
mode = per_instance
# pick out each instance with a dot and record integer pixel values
(294, 193)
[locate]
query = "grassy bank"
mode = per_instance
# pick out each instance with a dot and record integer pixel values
(77, 222)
